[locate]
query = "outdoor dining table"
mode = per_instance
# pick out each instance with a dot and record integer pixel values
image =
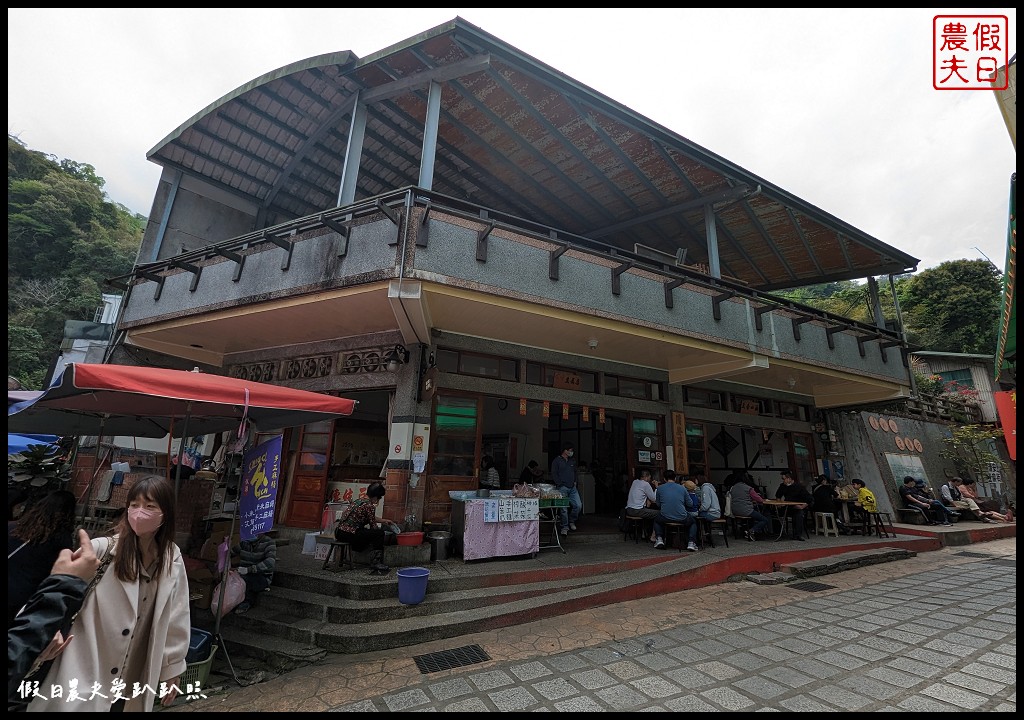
(781, 510)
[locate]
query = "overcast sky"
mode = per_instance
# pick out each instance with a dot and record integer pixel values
(834, 106)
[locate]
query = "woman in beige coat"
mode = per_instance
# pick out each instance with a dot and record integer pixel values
(135, 625)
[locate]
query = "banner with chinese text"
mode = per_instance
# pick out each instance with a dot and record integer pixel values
(261, 473)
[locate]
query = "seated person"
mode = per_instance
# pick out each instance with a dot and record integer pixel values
(952, 496)
(360, 528)
(792, 491)
(710, 509)
(825, 497)
(532, 473)
(257, 561)
(674, 505)
(970, 492)
(914, 496)
(745, 503)
(641, 501)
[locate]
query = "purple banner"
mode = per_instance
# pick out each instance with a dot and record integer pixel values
(261, 473)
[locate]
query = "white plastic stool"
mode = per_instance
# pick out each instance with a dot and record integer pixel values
(825, 524)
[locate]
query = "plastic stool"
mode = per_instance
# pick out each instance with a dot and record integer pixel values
(825, 524)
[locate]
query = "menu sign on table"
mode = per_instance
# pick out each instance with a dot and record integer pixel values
(510, 509)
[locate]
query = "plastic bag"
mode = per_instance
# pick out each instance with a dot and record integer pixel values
(234, 593)
(223, 556)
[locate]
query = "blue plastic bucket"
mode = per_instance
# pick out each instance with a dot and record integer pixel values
(412, 585)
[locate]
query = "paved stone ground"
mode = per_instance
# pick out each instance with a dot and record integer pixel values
(936, 632)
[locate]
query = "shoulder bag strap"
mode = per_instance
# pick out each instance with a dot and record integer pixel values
(15, 551)
(108, 555)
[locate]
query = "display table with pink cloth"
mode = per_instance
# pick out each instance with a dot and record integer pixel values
(485, 536)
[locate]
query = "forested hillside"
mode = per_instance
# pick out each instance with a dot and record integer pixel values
(65, 237)
(952, 307)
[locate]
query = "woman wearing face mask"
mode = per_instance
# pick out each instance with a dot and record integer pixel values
(134, 626)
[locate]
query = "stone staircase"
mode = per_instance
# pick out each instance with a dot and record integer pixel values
(310, 612)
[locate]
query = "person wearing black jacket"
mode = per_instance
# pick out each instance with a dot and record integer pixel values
(825, 496)
(33, 635)
(792, 491)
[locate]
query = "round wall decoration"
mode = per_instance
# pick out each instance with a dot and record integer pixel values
(900, 444)
(893, 426)
(918, 446)
(503, 404)
(909, 442)
(873, 422)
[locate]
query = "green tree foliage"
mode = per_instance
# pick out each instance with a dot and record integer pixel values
(953, 307)
(64, 239)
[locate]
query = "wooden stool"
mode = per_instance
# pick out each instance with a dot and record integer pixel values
(825, 524)
(634, 528)
(739, 522)
(723, 525)
(344, 552)
(883, 524)
(704, 538)
(677, 528)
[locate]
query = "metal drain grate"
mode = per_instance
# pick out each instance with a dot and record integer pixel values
(811, 586)
(973, 554)
(448, 659)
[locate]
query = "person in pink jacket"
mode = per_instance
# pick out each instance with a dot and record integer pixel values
(132, 634)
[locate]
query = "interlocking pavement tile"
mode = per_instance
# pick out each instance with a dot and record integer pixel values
(811, 666)
(627, 670)
(490, 679)
(840, 659)
(656, 687)
(686, 654)
(567, 663)
(933, 658)
(799, 646)
(689, 703)
(511, 699)
(955, 696)
(581, 703)
(530, 670)
(555, 688)
(1000, 660)
(886, 645)
(914, 668)
(804, 703)
(976, 684)
(840, 697)
(718, 670)
(893, 676)
(593, 679)
(406, 700)
(621, 697)
(875, 689)
(728, 698)
(922, 703)
(448, 689)
(786, 676)
(691, 677)
(1002, 675)
(760, 687)
(864, 652)
(470, 704)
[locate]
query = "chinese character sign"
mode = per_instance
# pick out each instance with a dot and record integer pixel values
(261, 474)
(967, 50)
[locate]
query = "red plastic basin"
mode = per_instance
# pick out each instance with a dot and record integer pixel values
(410, 538)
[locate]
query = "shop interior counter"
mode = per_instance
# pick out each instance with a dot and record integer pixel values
(495, 527)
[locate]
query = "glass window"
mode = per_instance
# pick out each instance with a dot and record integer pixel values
(632, 388)
(792, 411)
(702, 398)
(696, 450)
(455, 431)
(469, 363)
(447, 361)
(960, 377)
